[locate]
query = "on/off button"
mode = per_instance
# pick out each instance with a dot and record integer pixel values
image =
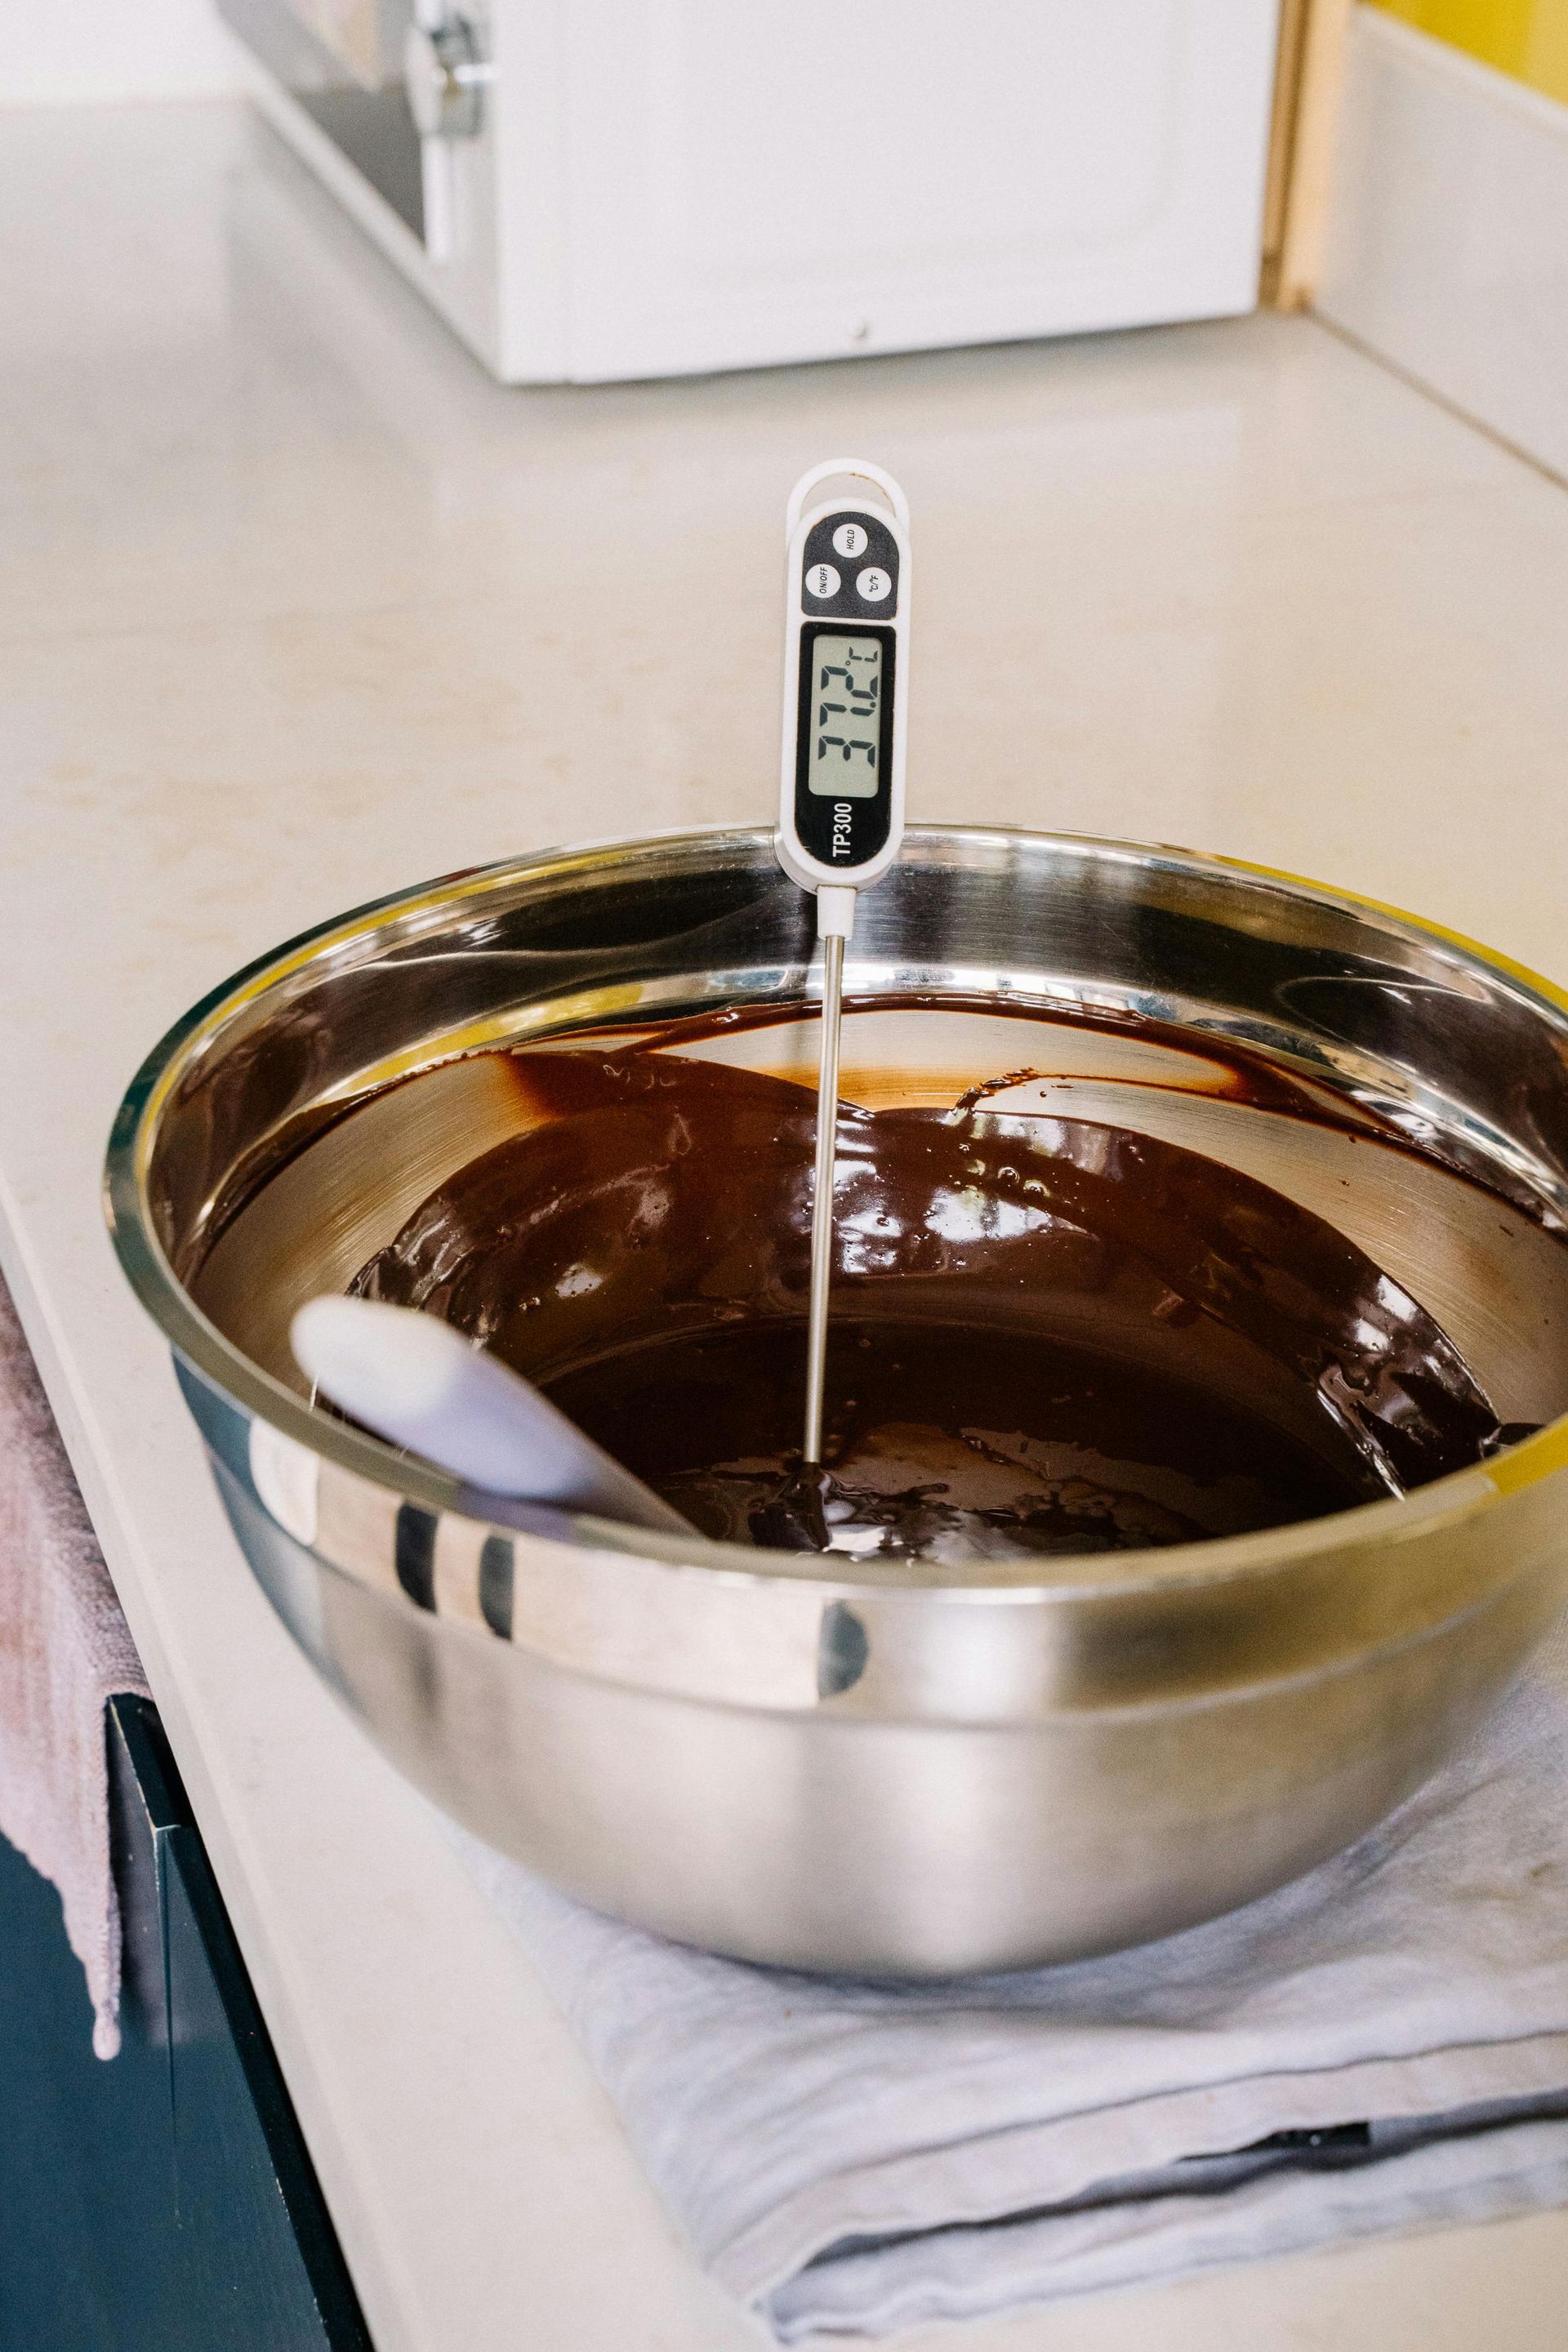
(822, 580)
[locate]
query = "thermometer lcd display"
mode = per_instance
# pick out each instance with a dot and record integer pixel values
(844, 716)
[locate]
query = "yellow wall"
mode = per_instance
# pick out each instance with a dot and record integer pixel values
(1527, 38)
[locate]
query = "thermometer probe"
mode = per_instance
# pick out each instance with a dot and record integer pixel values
(841, 778)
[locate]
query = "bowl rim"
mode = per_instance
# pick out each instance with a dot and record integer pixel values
(221, 1366)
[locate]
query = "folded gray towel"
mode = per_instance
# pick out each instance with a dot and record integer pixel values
(1392, 2028)
(65, 1649)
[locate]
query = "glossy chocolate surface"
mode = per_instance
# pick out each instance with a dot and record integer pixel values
(1049, 1335)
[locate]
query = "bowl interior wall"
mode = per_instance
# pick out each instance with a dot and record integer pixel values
(321, 1109)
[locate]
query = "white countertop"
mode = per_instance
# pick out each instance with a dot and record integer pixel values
(296, 608)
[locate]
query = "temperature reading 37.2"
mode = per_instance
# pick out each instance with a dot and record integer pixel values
(846, 714)
(841, 786)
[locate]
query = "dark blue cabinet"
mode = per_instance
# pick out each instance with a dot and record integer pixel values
(164, 2201)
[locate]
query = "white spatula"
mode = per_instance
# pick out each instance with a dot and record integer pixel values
(419, 1383)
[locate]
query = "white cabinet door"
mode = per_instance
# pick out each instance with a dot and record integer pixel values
(754, 181)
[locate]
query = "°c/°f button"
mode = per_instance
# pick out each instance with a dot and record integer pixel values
(873, 583)
(822, 580)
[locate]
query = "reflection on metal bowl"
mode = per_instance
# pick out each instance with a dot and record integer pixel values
(891, 1767)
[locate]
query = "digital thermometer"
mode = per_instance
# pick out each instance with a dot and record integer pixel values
(841, 777)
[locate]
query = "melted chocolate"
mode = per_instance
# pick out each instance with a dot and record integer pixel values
(1048, 1335)
(948, 1442)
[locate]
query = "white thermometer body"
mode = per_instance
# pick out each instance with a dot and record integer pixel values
(841, 776)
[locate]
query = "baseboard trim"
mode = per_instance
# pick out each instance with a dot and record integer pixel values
(1448, 247)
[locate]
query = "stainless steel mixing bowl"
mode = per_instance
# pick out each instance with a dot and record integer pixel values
(892, 1770)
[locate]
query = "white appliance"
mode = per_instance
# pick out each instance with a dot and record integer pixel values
(594, 189)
